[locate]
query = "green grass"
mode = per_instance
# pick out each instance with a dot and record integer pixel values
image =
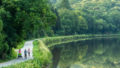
(44, 55)
(1, 61)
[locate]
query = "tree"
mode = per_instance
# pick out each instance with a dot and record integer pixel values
(82, 25)
(21, 20)
(68, 19)
(64, 4)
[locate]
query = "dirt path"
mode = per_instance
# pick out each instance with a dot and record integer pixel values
(28, 44)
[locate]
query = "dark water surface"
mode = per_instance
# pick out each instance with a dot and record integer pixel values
(95, 53)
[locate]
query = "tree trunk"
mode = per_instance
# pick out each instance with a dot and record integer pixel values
(0, 2)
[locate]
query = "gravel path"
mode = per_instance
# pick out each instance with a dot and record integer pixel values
(28, 44)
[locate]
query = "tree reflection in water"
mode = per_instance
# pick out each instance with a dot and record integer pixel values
(95, 53)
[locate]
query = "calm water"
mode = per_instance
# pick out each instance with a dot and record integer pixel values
(95, 53)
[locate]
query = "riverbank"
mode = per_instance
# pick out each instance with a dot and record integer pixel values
(42, 54)
(51, 41)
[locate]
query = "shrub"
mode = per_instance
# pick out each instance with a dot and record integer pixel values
(13, 53)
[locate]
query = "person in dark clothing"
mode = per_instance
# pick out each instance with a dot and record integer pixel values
(25, 53)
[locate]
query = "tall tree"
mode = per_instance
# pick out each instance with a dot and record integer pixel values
(64, 4)
(22, 19)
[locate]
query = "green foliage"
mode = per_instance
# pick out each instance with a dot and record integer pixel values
(3, 45)
(13, 53)
(101, 15)
(1, 25)
(89, 16)
(21, 20)
(42, 57)
(20, 45)
(65, 4)
(52, 41)
(29, 19)
(71, 22)
(5, 57)
(82, 25)
(67, 19)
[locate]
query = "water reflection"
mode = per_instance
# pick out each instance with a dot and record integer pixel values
(96, 53)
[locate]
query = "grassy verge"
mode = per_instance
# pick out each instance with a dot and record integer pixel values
(51, 41)
(42, 57)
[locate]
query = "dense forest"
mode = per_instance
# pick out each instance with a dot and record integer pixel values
(23, 19)
(87, 16)
(26, 19)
